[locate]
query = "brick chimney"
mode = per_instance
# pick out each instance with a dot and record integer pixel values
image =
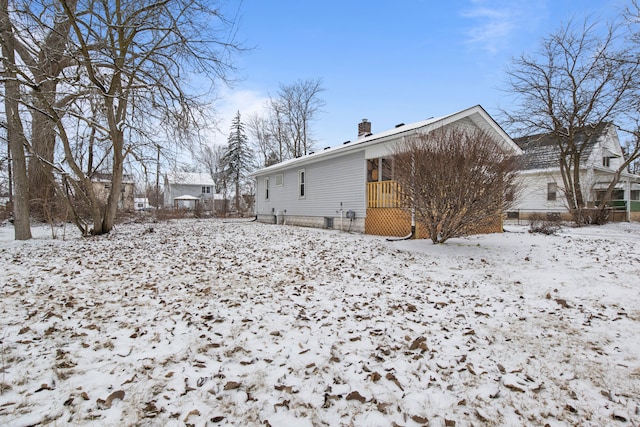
(364, 128)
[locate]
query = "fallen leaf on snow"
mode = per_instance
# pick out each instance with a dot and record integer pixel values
(419, 419)
(419, 343)
(193, 412)
(232, 385)
(355, 395)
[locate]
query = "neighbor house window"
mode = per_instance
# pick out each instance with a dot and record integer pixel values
(206, 190)
(552, 189)
(605, 161)
(635, 195)
(301, 183)
(279, 180)
(266, 188)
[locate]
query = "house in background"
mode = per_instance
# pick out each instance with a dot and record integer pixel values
(141, 204)
(351, 186)
(542, 189)
(188, 190)
(102, 187)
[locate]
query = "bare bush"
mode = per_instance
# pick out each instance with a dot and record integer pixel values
(168, 214)
(544, 224)
(455, 180)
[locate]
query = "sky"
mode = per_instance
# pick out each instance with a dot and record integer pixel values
(388, 62)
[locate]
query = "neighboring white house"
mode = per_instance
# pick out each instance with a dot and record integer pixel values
(188, 190)
(351, 186)
(141, 203)
(542, 186)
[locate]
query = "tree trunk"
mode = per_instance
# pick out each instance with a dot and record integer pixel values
(15, 132)
(111, 209)
(40, 175)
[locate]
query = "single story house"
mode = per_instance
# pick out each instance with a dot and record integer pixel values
(188, 190)
(351, 187)
(542, 189)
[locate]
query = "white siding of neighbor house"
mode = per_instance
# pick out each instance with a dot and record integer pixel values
(607, 144)
(179, 184)
(328, 182)
(532, 196)
(533, 193)
(171, 191)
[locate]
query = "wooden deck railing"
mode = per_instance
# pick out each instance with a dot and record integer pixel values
(384, 194)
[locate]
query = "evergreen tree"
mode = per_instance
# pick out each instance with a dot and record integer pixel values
(238, 158)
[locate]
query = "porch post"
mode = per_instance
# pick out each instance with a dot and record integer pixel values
(627, 198)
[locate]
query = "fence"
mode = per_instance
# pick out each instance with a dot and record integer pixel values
(615, 213)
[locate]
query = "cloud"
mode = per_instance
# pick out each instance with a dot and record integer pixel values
(230, 102)
(496, 23)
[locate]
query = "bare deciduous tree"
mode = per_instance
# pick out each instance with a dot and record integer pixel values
(41, 42)
(454, 180)
(278, 129)
(263, 143)
(581, 78)
(302, 103)
(111, 78)
(285, 131)
(15, 130)
(211, 159)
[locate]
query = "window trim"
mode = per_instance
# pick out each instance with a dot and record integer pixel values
(302, 183)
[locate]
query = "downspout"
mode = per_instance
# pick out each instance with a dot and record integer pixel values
(413, 228)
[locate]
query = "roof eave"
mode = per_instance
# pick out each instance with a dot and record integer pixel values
(391, 134)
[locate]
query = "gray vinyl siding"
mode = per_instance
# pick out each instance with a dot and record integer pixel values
(328, 182)
(177, 190)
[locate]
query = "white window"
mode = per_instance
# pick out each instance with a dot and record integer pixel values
(206, 190)
(606, 161)
(301, 183)
(266, 188)
(279, 180)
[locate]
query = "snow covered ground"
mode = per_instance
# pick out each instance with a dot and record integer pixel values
(209, 323)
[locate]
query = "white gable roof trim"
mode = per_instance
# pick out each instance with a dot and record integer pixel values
(376, 145)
